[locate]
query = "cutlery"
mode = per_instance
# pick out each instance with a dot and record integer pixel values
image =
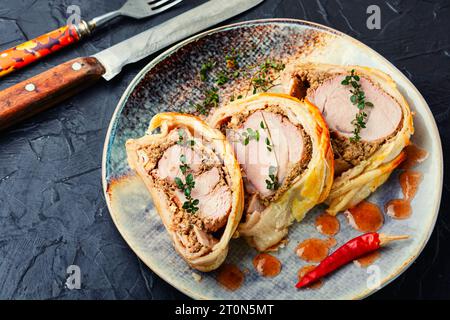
(35, 49)
(38, 93)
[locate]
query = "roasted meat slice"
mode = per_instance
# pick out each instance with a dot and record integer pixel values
(214, 197)
(363, 160)
(284, 151)
(196, 185)
(333, 100)
(271, 149)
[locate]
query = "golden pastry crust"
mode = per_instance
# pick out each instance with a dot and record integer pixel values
(308, 189)
(358, 182)
(217, 142)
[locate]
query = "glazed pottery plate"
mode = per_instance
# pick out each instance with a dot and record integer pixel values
(171, 83)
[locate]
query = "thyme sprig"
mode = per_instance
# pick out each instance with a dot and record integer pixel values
(222, 78)
(359, 123)
(269, 145)
(205, 69)
(232, 66)
(184, 142)
(272, 182)
(190, 205)
(357, 98)
(249, 135)
(232, 98)
(263, 80)
(231, 59)
(211, 100)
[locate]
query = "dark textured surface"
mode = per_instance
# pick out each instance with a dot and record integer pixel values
(52, 211)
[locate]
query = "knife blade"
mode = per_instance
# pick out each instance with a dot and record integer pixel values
(169, 32)
(46, 89)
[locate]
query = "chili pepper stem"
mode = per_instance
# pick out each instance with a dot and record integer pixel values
(385, 239)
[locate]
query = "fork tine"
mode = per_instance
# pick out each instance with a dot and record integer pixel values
(163, 8)
(157, 3)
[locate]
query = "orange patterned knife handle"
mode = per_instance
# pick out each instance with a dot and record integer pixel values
(33, 50)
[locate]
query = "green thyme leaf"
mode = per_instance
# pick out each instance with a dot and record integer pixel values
(190, 205)
(222, 78)
(263, 79)
(358, 99)
(205, 68)
(272, 184)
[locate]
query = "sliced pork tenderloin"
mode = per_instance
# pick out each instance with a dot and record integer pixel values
(278, 147)
(210, 189)
(333, 100)
(214, 199)
(283, 148)
(363, 162)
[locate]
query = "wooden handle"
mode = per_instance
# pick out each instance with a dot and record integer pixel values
(38, 93)
(28, 52)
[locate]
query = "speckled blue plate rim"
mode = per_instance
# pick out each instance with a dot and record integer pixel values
(435, 134)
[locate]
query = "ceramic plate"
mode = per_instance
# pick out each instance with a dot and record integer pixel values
(171, 83)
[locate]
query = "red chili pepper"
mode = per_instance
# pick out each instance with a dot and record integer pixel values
(348, 252)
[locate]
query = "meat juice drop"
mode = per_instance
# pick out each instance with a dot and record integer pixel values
(414, 156)
(398, 209)
(267, 265)
(367, 259)
(409, 182)
(230, 276)
(401, 208)
(314, 249)
(303, 271)
(365, 217)
(327, 224)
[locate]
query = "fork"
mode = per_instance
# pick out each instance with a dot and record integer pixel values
(28, 52)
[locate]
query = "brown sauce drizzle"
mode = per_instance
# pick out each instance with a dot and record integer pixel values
(327, 224)
(230, 276)
(367, 259)
(267, 265)
(409, 182)
(304, 270)
(314, 249)
(414, 156)
(401, 208)
(398, 209)
(365, 217)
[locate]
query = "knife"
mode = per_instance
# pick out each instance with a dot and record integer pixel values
(44, 90)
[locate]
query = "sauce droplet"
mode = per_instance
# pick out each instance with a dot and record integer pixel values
(230, 276)
(365, 217)
(314, 249)
(414, 156)
(327, 224)
(267, 265)
(398, 209)
(367, 259)
(409, 181)
(303, 271)
(401, 208)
